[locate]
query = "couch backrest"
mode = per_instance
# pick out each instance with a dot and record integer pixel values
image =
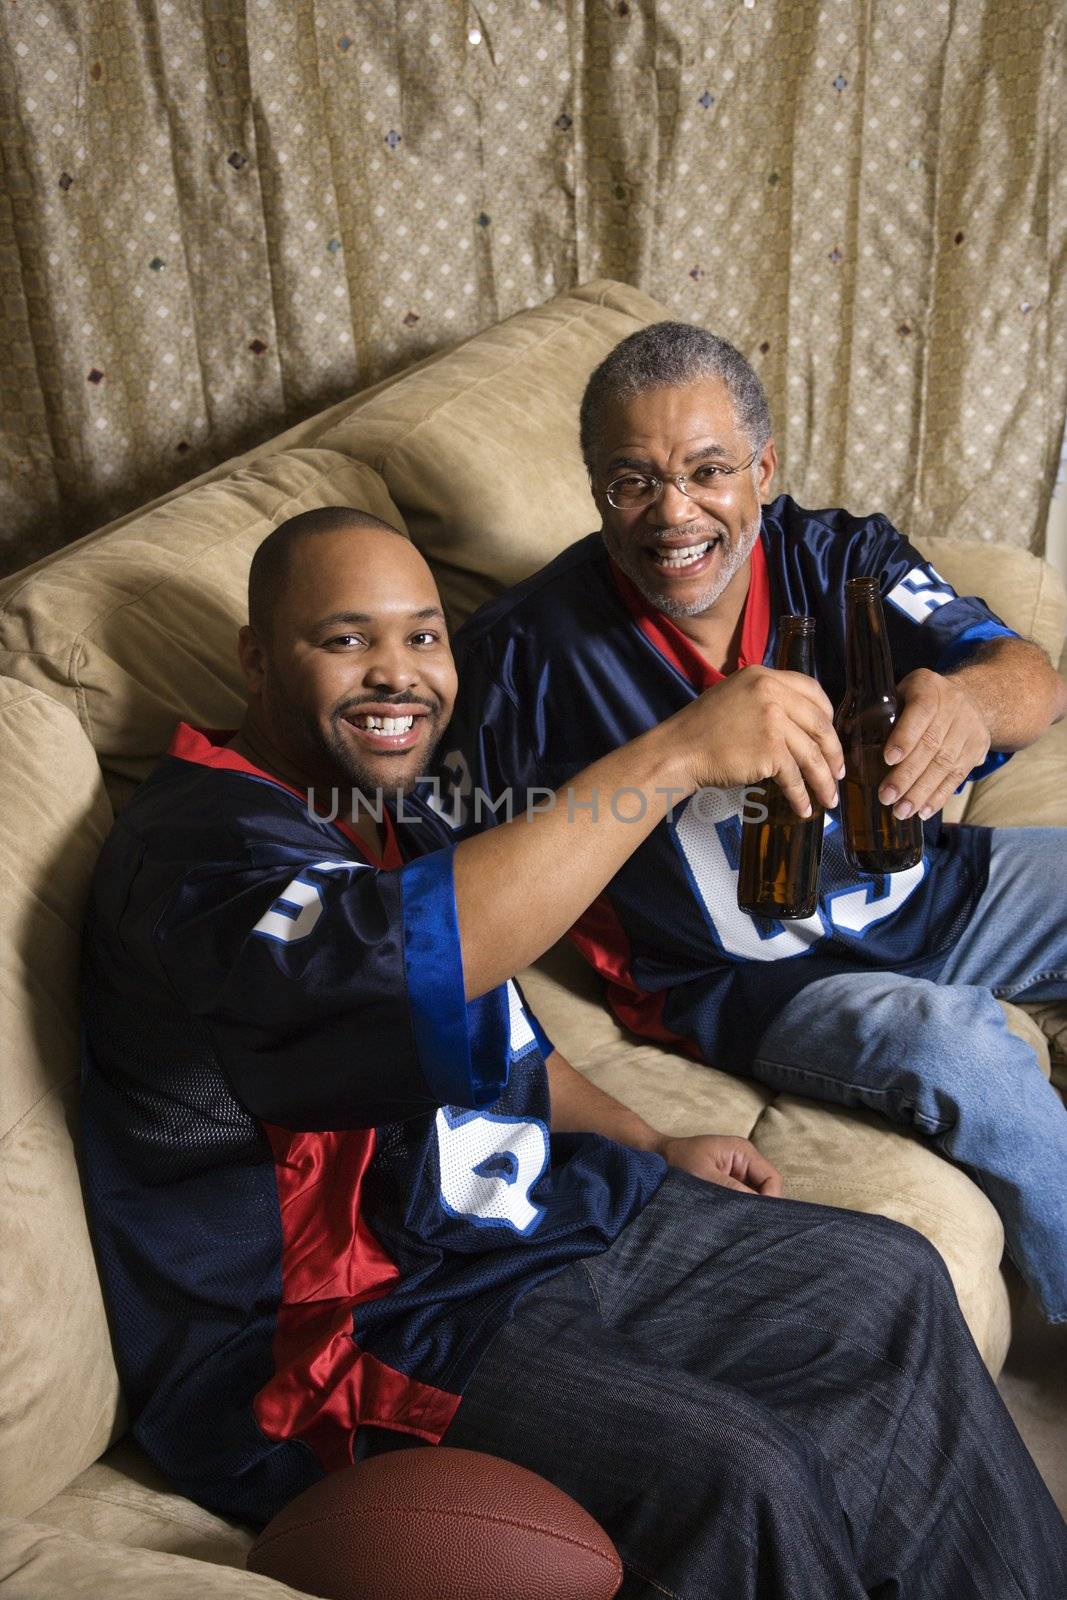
(480, 448)
(59, 1394)
(1024, 591)
(135, 629)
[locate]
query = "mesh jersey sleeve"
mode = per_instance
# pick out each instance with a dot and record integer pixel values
(525, 1026)
(928, 623)
(334, 990)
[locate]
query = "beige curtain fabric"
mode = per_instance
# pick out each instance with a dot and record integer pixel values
(219, 216)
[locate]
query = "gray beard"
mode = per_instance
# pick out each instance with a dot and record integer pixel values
(733, 560)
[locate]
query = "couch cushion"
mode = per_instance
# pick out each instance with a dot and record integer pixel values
(59, 1396)
(123, 1500)
(1029, 791)
(1023, 590)
(831, 1156)
(38, 1562)
(138, 629)
(480, 450)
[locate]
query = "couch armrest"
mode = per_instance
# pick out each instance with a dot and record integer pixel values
(1020, 587)
(38, 1562)
(1029, 791)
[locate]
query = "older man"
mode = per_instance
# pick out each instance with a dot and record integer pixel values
(330, 1213)
(886, 996)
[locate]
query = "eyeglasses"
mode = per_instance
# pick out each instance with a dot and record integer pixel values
(705, 484)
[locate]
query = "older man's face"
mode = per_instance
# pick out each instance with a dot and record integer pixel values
(682, 550)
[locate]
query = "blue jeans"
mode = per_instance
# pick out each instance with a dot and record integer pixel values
(764, 1400)
(939, 1058)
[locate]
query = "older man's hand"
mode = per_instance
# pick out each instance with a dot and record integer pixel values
(940, 736)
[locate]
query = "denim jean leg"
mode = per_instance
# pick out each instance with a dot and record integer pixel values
(770, 1401)
(701, 1488)
(940, 1059)
(1016, 940)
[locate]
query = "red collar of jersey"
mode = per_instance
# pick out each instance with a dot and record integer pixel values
(680, 650)
(209, 747)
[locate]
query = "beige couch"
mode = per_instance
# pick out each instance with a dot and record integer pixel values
(103, 647)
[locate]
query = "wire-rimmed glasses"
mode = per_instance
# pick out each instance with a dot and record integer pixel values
(632, 491)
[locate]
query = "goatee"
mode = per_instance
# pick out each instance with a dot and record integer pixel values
(732, 560)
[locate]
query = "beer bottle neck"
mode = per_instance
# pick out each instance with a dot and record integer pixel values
(796, 645)
(868, 661)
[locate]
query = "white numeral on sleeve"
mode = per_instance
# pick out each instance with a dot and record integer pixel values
(919, 592)
(298, 908)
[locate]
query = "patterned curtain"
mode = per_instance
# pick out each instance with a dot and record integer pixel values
(220, 215)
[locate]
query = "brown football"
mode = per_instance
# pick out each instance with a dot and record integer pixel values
(438, 1524)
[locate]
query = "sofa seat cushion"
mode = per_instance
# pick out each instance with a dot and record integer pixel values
(41, 1562)
(121, 1499)
(851, 1158)
(826, 1155)
(480, 449)
(136, 630)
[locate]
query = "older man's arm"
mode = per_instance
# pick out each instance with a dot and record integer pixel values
(1002, 698)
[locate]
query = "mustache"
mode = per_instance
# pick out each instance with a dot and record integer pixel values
(432, 706)
(692, 530)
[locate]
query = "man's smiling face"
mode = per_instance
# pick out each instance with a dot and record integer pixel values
(355, 681)
(681, 551)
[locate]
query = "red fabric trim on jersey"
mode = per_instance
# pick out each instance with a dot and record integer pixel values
(601, 939)
(324, 1386)
(680, 650)
(209, 747)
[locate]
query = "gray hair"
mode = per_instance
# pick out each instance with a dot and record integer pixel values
(663, 355)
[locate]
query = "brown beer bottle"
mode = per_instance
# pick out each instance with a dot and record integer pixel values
(875, 840)
(780, 856)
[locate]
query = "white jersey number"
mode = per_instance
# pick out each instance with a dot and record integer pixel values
(488, 1167)
(295, 913)
(919, 592)
(710, 818)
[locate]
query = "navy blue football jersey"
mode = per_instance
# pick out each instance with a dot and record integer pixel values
(318, 1179)
(572, 663)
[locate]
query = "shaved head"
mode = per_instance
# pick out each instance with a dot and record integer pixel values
(272, 562)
